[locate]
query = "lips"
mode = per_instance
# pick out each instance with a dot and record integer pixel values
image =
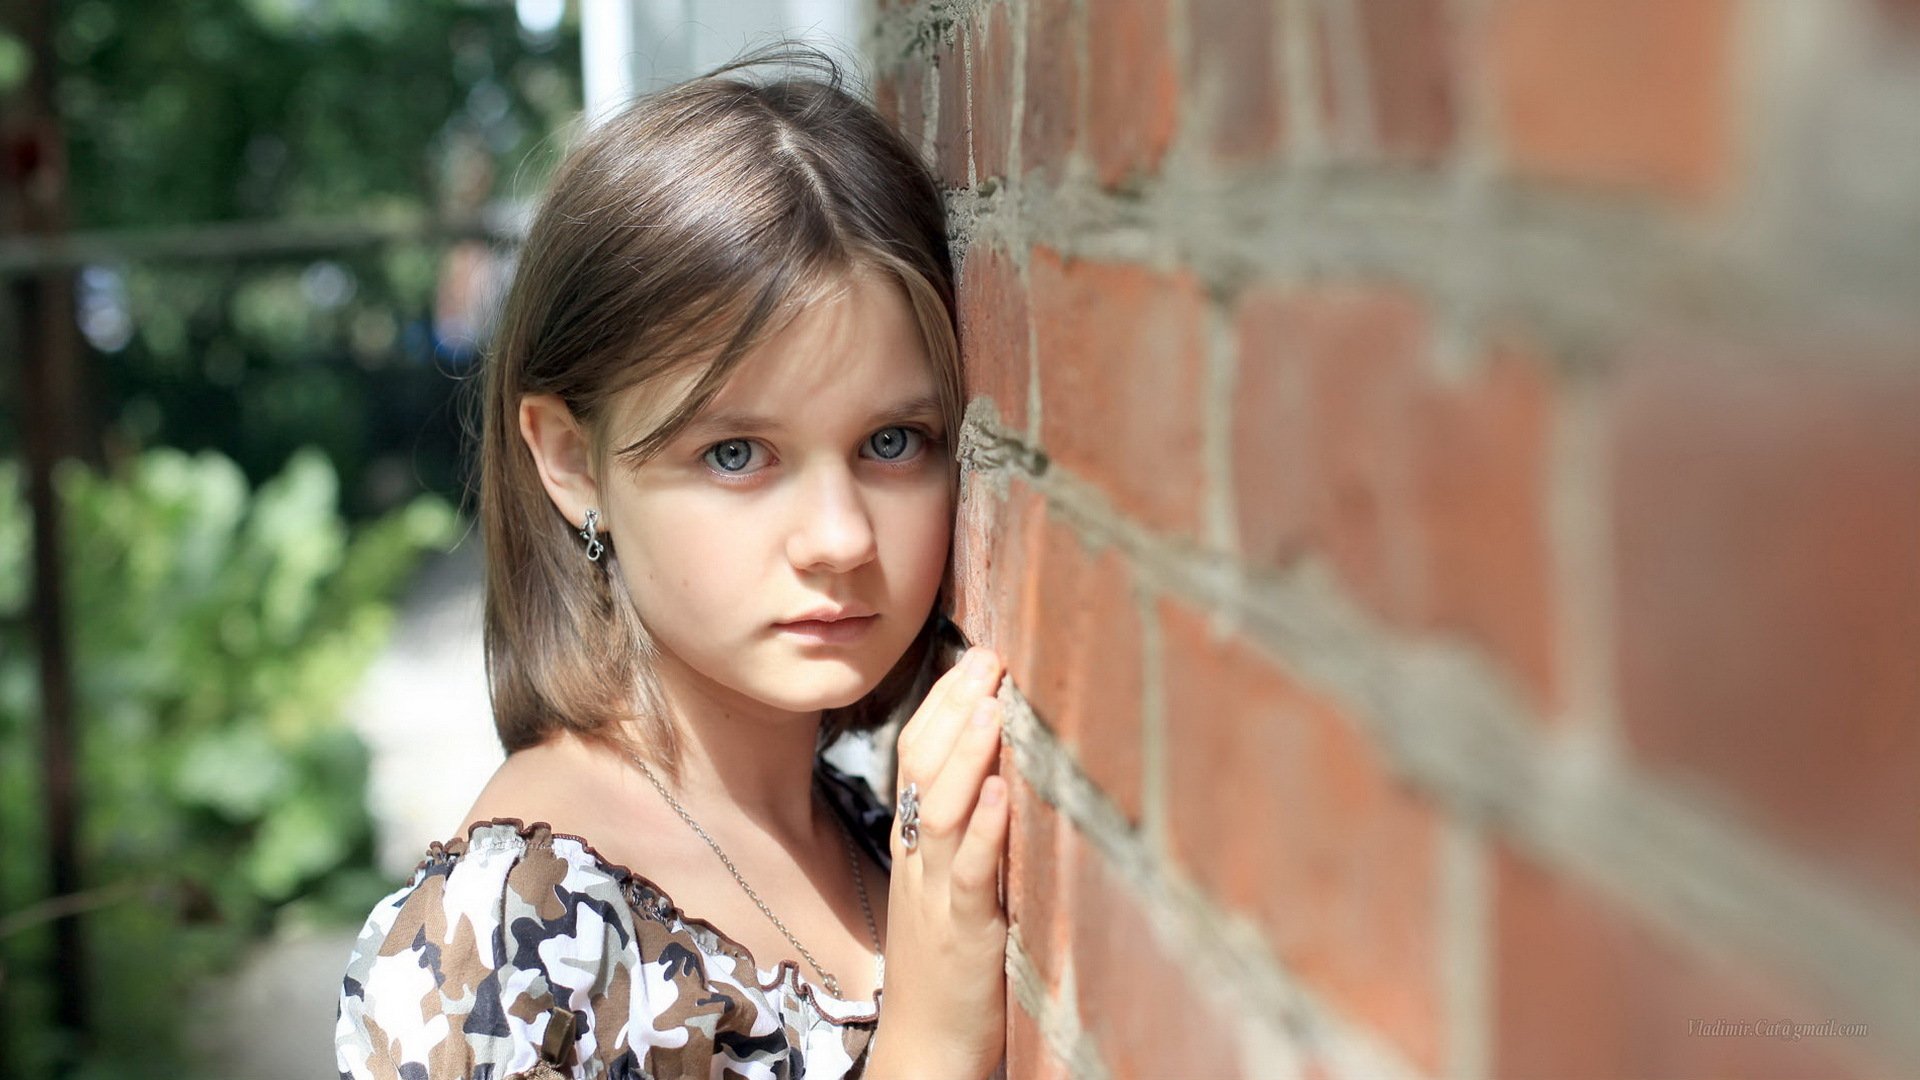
(834, 631)
(829, 615)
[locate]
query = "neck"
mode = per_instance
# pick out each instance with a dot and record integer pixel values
(746, 760)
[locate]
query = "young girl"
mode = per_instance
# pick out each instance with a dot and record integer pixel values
(717, 496)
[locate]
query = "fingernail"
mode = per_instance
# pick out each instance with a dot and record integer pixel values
(982, 666)
(983, 713)
(991, 796)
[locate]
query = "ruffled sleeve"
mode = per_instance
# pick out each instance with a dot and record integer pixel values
(501, 958)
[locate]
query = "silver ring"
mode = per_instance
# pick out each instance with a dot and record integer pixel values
(910, 817)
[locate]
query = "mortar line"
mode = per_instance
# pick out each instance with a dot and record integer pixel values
(1464, 917)
(1634, 263)
(1231, 958)
(1455, 729)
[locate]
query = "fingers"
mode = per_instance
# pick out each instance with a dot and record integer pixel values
(948, 802)
(943, 691)
(975, 874)
(923, 758)
(948, 759)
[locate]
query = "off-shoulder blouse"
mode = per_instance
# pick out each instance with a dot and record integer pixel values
(518, 953)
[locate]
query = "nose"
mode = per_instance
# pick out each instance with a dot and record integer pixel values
(834, 531)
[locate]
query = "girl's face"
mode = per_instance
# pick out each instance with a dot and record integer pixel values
(818, 477)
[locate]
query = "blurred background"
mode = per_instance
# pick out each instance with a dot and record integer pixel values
(252, 250)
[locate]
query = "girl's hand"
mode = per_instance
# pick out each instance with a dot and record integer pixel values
(944, 1009)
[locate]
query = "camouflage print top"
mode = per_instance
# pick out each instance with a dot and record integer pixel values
(521, 953)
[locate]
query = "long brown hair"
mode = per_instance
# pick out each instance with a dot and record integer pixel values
(680, 234)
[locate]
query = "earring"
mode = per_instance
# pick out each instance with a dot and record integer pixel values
(591, 535)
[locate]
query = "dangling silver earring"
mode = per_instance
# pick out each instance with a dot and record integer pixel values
(591, 535)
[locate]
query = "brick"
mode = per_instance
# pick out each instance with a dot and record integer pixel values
(1146, 1015)
(1236, 81)
(1269, 436)
(1012, 601)
(1028, 1055)
(1583, 990)
(1039, 845)
(1282, 810)
(1624, 94)
(1362, 349)
(953, 136)
(1902, 16)
(913, 102)
(1765, 525)
(1408, 52)
(1120, 355)
(992, 535)
(1315, 1068)
(981, 521)
(1087, 654)
(995, 332)
(886, 98)
(992, 92)
(1051, 109)
(1134, 95)
(1341, 364)
(1480, 459)
(1429, 500)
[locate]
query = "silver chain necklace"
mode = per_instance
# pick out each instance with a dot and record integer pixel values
(832, 984)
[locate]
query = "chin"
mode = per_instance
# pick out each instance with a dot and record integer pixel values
(841, 698)
(820, 685)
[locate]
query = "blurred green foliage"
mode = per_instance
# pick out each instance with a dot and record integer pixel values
(223, 628)
(190, 111)
(194, 112)
(225, 593)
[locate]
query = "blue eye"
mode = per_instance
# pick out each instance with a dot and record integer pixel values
(739, 458)
(891, 444)
(894, 441)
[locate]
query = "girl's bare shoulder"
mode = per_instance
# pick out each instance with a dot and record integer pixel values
(558, 782)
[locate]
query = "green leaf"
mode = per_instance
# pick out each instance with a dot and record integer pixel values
(237, 772)
(299, 840)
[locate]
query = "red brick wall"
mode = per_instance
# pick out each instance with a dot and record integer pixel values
(1445, 475)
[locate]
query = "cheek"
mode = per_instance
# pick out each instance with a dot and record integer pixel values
(680, 559)
(925, 538)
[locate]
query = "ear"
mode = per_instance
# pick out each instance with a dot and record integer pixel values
(561, 453)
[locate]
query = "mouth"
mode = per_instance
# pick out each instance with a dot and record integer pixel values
(837, 632)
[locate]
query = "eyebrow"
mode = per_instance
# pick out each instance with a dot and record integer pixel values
(733, 420)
